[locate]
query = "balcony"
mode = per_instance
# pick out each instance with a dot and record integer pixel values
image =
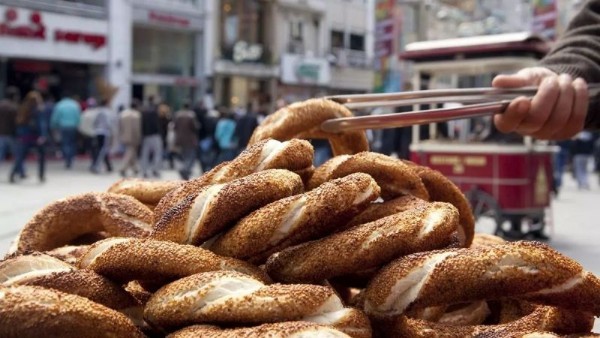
(343, 57)
(86, 8)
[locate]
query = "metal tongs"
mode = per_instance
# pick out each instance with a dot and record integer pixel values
(480, 102)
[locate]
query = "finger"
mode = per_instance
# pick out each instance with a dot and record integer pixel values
(562, 109)
(514, 114)
(579, 111)
(542, 105)
(512, 81)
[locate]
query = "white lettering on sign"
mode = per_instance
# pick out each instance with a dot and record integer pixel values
(243, 51)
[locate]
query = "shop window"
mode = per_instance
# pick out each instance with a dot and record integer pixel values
(296, 37)
(242, 21)
(357, 42)
(337, 39)
(158, 51)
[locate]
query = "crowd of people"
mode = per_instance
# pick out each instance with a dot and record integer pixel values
(146, 135)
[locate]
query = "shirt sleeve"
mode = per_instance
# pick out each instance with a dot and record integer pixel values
(578, 53)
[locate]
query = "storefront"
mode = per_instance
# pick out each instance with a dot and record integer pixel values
(303, 77)
(53, 53)
(167, 55)
(244, 73)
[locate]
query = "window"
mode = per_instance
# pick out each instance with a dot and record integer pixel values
(337, 39)
(296, 31)
(357, 42)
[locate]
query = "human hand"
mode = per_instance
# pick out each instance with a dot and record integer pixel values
(557, 111)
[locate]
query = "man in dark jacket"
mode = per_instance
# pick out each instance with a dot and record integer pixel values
(561, 108)
(245, 127)
(186, 138)
(151, 140)
(8, 114)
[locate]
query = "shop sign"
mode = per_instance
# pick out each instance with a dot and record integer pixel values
(168, 19)
(247, 52)
(157, 17)
(34, 34)
(297, 69)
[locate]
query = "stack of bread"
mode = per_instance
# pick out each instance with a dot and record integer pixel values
(266, 245)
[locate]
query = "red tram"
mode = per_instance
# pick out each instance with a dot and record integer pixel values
(507, 183)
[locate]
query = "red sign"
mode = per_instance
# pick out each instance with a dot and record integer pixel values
(36, 30)
(168, 19)
(96, 41)
(33, 30)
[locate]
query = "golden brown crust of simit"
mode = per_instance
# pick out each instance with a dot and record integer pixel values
(441, 189)
(486, 240)
(426, 227)
(272, 330)
(29, 311)
(522, 270)
(376, 211)
(298, 218)
(61, 222)
(293, 155)
(230, 203)
(148, 192)
(303, 120)
(129, 259)
(69, 253)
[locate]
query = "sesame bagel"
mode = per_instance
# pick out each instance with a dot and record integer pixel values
(127, 259)
(273, 330)
(293, 155)
(376, 211)
(230, 297)
(426, 227)
(211, 209)
(62, 221)
(68, 253)
(45, 271)
(298, 218)
(393, 176)
(31, 311)
(146, 191)
(523, 270)
(304, 119)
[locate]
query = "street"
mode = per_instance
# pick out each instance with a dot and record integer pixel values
(576, 229)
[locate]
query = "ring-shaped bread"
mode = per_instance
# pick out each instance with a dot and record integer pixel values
(62, 221)
(212, 209)
(304, 119)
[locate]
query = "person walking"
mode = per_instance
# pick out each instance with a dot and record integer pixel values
(209, 148)
(245, 127)
(583, 148)
(164, 120)
(66, 116)
(151, 141)
(186, 138)
(224, 135)
(8, 128)
(103, 130)
(31, 132)
(130, 135)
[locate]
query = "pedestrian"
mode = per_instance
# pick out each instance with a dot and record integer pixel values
(561, 159)
(583, 148)
(66, 116)
(186, 138)
(245, 127)
(103, 131)
(164, 119)
(86, 128)
(561, 107)
(31, 132)
(8, 128)
(209, 149)
(130, 135)
(224, 135)
(152, 144)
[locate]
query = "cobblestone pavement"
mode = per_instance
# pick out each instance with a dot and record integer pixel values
(574, 227)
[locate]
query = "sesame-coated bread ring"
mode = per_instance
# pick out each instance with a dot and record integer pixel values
(64, 220)
(126, 259)
(68, 253)
(146, 191)
(49, 272)
(523, 270)
(298, 218)
(393, 176)
(303, 120)
(230, 297)
(376, 211)
(485, 240)
(271, 330)
(423, 228)
(293, 155)
(31, 311)
(213, 208)
(441, 189)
